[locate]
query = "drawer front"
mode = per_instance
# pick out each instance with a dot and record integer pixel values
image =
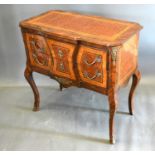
(62, 54)
(92, 66)
(38, 51)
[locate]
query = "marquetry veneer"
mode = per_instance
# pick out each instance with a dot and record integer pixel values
(92, 52)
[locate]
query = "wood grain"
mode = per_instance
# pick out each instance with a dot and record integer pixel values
(127, 56)
(98, 30)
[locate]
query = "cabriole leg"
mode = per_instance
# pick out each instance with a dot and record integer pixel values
(60, 87)
(112, 97)
(135, 79)
(29, 77)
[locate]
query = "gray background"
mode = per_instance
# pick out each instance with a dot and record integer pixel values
(12, 53)
(74, 119)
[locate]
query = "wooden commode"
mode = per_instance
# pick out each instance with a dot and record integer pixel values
(91, 52)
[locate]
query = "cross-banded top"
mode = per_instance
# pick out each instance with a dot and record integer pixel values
(94, 29)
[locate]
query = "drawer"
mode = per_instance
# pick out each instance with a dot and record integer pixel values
(92, 66)
(61, 50)
(38, 51)
(63, 68)
(62, 54)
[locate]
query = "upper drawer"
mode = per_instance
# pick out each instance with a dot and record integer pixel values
(92, 64)
(61, 50)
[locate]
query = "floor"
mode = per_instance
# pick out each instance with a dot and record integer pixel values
(74, 119)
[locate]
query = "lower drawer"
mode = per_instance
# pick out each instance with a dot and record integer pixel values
(63, 68)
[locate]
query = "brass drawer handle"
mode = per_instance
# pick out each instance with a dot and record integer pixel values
(97, 59)
(62, 68)
(44, 63)
(97, 74)
(33, 43)
(60, 53)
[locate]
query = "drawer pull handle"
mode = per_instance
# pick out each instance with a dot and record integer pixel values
(62, 66)
(60, 53)
(97, 59)
(97, 74)
(33, 43)
(44, 63)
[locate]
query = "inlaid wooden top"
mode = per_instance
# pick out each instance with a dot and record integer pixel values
(94, 29)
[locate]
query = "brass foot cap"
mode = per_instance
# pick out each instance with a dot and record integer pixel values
(36, 109)
(112, 141)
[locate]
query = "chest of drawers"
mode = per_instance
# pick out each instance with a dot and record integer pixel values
(92, 52)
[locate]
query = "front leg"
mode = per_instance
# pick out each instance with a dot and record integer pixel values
(135, 79)
(112, 97)
(29, 78)
(60, 87)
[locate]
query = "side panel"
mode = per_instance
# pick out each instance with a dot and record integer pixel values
(127, 59)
